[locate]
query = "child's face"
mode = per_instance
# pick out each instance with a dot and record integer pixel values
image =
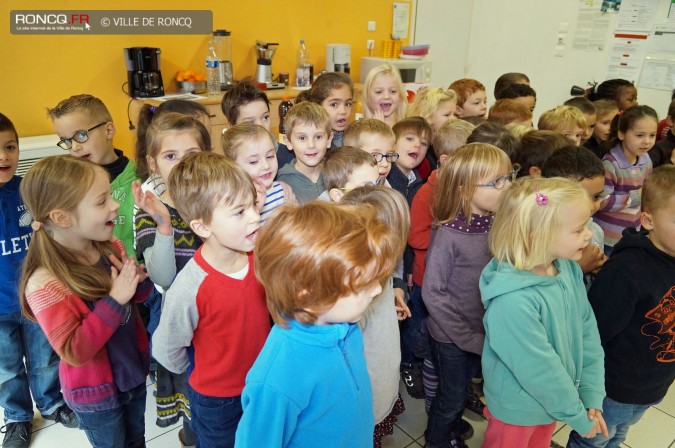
(98, 148)
(661, 226)
(595, 187)
(233, 228)
(9, 156)
(309, 143)
(626, 97)
(591, 121)
(256, 112)
(411, 150)
(485, 200)
(573, 133)
(602, 125)
(361, 176)
(379, 145)
(444, 112)
(174, 146)
(339, 107)
(259, 159)
(93, 217)
(528, 101)
(573, 235)
(349, 308)
(384, 95)
(639, 139)
(474, 106)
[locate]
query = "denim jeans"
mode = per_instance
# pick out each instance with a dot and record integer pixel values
(415, 339)
(122, 427)
(214, 419)
(39, 375)
(618, 417)
(455, 368)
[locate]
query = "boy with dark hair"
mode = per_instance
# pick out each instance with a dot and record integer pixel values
(508, 79)
(535, 148)
(413, 137)
(246, 103)
(497, 135)
(522, 93)
(633, 298)
(86, 130)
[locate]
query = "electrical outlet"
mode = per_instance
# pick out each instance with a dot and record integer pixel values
(370, 44)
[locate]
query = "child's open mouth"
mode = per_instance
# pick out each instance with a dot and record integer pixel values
(312, 155)
(266, 176)
(5, 168)
(252, 236)
(385, 106)
(413, 155)
(341, 122)
(110, 223)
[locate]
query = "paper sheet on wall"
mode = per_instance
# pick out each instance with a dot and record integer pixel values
(662, 39)
(399, 28)
(637, 15)
(592, 29)
(658, 74)
(626, 56)
(671, 11)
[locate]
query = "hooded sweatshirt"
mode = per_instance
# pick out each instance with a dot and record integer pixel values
(542, 359)
(303, 188)
(633, 297)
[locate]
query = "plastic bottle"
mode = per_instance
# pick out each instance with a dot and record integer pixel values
(212, 72)
(305, 69)
(284, 106)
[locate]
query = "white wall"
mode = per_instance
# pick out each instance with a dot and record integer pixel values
(515, 36)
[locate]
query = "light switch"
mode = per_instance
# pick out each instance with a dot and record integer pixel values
(371, 25)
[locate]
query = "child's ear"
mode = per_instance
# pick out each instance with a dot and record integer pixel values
(534, 172)
(646, 221)
(442, 159)
(459, 111)
(60, 218)
(286, 141)
(110, 130)
(152, 164)
(335, 194)
(330, 139)
(200, 228)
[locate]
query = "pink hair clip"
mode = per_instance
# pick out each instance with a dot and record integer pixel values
(541, 198)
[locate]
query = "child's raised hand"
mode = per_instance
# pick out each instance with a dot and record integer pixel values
(592, 259)
(125, 281)
(402, 310)
(151, 204)
(378, 114)
(289, 197)
(261, 194)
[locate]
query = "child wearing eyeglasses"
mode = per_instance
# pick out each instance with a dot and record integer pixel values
(345, 170)
(86, 130)
(475, 177)
(376, 138)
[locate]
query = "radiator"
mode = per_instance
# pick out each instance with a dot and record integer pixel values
(32, 149)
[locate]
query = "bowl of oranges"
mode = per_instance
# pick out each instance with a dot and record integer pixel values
(189, 81)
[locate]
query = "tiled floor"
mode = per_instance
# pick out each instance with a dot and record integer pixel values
(655, 430)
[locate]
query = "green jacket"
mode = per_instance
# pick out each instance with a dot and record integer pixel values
(121, 192)
(542, 358)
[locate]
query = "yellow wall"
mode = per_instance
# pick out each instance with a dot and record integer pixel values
(40, 70)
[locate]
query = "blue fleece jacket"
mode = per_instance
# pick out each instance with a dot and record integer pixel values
(542, 358)
(309, 387)
(15, 233)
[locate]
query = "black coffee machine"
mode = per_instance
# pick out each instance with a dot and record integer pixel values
(145, 78)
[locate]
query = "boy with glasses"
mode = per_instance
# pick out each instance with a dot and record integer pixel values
(86, 130)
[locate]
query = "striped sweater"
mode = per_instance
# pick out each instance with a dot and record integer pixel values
(620, 207)
(79, 334)
(274, 199)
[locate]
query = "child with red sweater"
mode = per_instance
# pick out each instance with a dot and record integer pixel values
(78, 284)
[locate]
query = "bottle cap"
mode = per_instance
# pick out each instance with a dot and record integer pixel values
(221, 33)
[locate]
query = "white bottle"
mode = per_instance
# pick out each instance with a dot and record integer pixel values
(305, 69)
(212, 72)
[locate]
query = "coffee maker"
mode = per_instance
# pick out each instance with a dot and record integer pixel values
(145, 78)
(338, 57)
(263, 73)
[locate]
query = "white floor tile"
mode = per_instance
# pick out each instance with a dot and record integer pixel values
(668, 403)
(414, 420)
(398, 439)
(656, 429)
(168, 439)
(561, 435)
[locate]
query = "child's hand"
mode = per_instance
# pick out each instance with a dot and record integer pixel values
(378, 114)
(261, 194)
(402, 310)
(592, 259)
(289, 197)
(599, 425)
(140, 269)
(124, 282)
(151, 204)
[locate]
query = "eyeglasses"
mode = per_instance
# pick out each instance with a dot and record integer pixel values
(79, 137)
(391, 157)
(378, 183)
(500, 181)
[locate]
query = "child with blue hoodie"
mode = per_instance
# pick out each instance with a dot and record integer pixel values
(542, 358)
(309, 384)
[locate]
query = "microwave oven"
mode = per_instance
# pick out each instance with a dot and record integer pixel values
(410, 70)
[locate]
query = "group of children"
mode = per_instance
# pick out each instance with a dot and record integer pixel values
(399, 244)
